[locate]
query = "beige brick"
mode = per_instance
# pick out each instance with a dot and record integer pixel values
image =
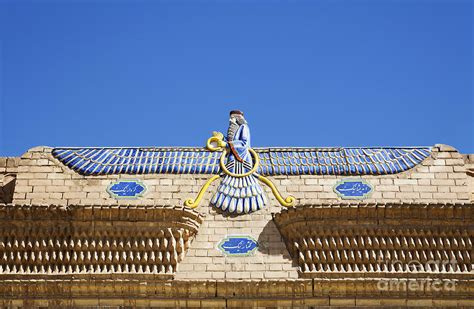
(457, 176)
(329, 182)
(425, 195)
(276, 275)
(39, 189)
(407, 195)
(293, 188)
(424, 182)
(39, 182)
(19, 195)
(442, 182)
(462, 182)
(405, 182)
(441, 169)
(182, 182)
(23, 189)
(458, 162)
(325, 195)
(311, 188)
(464, 196)
(37, 195)
(57, 189)
(74, 195)
(41, 169)
(237, 275)
(425, 189)
(445, 196)
(388, 194)
(257, 275)
(55, 195)
(386, 181)
(388, 188)
(308, 181)
(441, 175)
(422, 175)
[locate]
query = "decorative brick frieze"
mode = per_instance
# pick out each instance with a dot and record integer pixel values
(380, 240)
(44, 241)
(218, 293)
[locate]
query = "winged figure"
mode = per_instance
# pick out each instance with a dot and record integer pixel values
(239, 194)
(241, 167)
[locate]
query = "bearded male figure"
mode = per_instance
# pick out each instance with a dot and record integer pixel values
(239, 194)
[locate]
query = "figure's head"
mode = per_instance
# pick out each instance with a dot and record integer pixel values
(237, 116)
(236, 119)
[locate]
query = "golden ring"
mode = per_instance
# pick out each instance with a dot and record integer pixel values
(253, 170)
(213, 139)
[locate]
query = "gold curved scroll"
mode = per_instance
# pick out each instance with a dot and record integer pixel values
(193, 203)
(217, 138)
(289, 201)
(253, 170)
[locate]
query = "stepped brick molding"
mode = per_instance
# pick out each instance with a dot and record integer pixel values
(380, 239)
(43, 241)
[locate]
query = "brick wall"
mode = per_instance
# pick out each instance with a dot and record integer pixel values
(42, 180)
(39, 179)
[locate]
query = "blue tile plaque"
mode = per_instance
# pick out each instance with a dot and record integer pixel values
(353, 189)
(126, 189)
(238, 245)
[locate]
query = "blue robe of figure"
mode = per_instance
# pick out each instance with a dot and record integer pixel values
(239, 194)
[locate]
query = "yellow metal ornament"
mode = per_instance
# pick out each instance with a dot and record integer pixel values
(193, 203)
(216, 143)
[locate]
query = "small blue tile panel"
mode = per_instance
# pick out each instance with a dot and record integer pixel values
(238, 245)
(350, 189)
(273, 161)
(126, 189)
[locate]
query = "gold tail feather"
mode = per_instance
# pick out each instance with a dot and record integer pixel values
(289, 201)
(193, 203)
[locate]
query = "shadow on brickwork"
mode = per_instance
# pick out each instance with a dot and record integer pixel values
(7, 188)
(271, 242)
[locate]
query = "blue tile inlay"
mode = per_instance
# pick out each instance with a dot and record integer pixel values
(273, 161)
(126, 189)
(238, 245)
(353, 189)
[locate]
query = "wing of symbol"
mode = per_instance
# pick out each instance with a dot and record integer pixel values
(108, 161)
(339, 161)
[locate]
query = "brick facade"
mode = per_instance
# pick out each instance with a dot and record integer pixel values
(433, 199)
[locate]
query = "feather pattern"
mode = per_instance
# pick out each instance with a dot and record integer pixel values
(273, 161)
(236, 200)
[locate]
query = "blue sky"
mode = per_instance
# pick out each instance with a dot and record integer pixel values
(306, 73)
